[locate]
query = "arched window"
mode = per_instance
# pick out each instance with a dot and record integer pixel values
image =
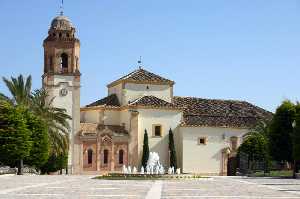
(105, 156)
(90, 156)
(64, 62)
(121, 156)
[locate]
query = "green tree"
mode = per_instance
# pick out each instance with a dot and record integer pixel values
(15, 143)
(145, 156)
(255, 146)
(173, 159)
(55, 163)
(296, 139)
(280, 132)
(56, 120)
(20, 89)
(39, 152)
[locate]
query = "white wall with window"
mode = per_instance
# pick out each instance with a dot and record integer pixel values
(160, 119)
(202, 147)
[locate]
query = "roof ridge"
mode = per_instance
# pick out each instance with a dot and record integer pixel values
(142, 75)
(200, 98)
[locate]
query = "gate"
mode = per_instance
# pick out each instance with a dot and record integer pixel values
(232, 166)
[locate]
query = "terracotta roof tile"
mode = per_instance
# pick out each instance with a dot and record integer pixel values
(221, 113)
(152, 101)
(111, 100)
(142, 75)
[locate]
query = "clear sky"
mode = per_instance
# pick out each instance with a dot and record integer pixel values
(244, 49)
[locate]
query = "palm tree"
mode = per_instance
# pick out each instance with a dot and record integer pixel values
(37, 102)
(5, 99)
(19, 89)
(55, 118)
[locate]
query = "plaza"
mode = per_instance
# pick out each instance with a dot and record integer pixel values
(85, 187)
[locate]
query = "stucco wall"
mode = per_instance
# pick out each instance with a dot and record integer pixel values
(117, 89)
(134, 91)
(206, 158)
(111, 117)
(125, 119)
(167, 119)
(91, 116)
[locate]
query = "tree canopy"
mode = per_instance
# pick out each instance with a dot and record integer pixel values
(255, 146)
(280, 132)
(39, 151)
(15, 142)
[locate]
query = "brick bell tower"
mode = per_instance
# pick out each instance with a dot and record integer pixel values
(61, 76)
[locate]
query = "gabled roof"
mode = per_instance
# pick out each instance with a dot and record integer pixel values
(142, 76)
(152, 102)
(220, 113)
(111, 101)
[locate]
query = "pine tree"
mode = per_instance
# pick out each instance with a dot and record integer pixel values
(173, 159)
(145, 150)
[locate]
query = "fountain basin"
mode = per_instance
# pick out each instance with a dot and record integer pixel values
(122, 176)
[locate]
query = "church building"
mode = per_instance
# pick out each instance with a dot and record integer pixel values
(109, 133)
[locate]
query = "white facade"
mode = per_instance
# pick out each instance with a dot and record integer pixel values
(128, 92)
(205, 158)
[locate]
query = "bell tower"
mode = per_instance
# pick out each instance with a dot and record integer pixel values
(61, 76)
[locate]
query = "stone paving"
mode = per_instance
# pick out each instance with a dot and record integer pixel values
(84, 187)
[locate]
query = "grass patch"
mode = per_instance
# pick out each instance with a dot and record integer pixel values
(281, 173)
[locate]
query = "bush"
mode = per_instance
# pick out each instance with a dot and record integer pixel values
(55, 163)
(256, 147)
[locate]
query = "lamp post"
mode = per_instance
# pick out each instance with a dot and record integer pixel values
(295, 161)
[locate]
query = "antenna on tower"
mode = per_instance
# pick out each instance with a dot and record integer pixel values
(62, 8)
(140, 62)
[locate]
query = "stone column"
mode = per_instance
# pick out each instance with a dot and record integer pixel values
(112, 160)
(98, 152)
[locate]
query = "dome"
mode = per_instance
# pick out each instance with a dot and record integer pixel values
(61, 23)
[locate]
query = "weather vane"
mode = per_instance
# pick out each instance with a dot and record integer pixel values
(62, 8)
(140, 62)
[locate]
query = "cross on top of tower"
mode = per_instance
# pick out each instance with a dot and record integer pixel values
(140, 62)
(62, 8)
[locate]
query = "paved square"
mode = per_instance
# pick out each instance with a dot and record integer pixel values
(84, 187)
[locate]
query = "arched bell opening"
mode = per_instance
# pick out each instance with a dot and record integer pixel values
(64, 63)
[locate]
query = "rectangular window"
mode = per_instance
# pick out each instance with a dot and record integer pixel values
(202, 141)
(157, 131)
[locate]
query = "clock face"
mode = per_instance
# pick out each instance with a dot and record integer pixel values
(63, 92)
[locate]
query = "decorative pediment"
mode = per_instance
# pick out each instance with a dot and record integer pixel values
(106, 139)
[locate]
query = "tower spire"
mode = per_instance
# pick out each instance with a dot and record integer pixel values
(62, 8)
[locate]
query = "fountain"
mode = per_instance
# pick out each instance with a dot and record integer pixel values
(153, 164)
(152, 169)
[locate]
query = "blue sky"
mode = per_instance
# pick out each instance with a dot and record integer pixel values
(244, 50)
